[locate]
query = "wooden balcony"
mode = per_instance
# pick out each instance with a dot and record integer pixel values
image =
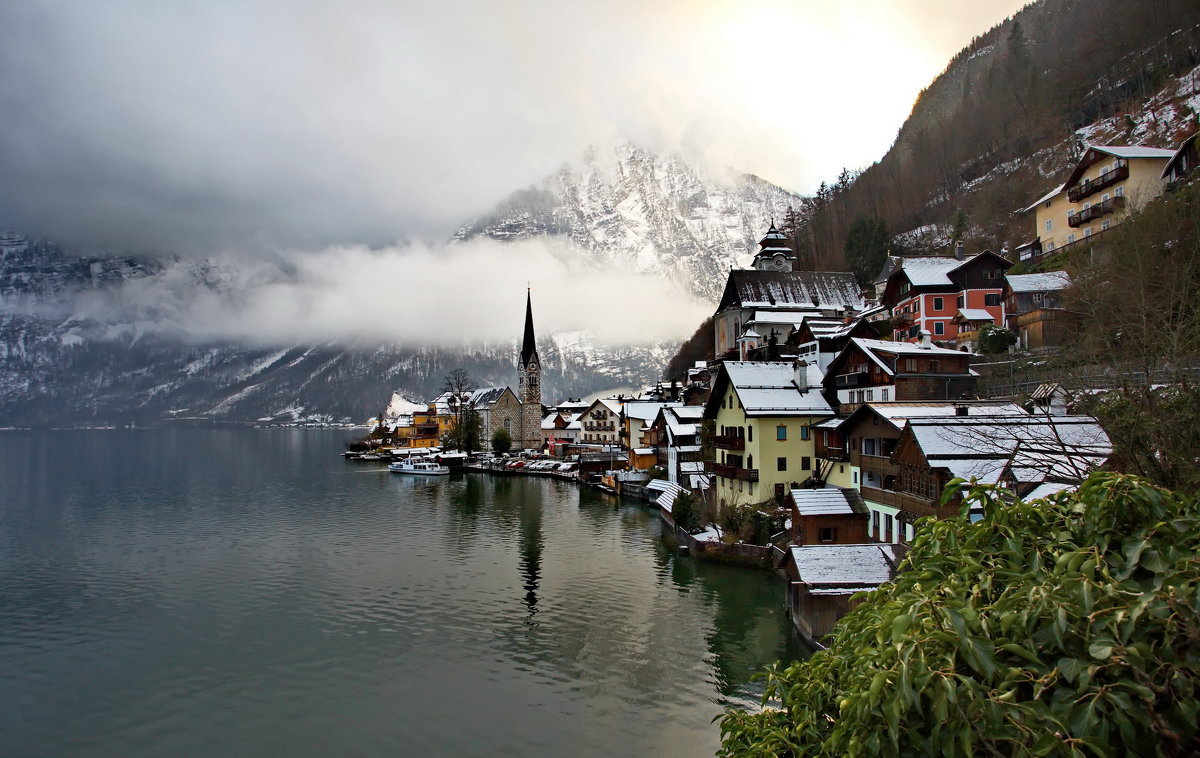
(918, 506)
(729, 442)
(1104, 181)
(1093, 212)
(733, 472)
(855, 379)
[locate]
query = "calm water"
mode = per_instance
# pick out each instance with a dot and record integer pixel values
(249, 593)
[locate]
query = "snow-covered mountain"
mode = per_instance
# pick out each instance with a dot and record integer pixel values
(629, 208)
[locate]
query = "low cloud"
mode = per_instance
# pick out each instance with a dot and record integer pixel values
(465, 293)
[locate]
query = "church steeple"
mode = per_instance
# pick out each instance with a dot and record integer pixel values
(529, 345)
(774, 255)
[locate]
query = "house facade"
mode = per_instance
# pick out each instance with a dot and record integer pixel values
(1035, 309)
(763, 414)
(600, 422)
(1105, 184)
(498, 408)
(880, 371)
(927, 294)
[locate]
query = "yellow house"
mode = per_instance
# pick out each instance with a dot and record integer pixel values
(763, 414)
(1106, 184)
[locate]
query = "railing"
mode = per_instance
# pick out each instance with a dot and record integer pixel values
(855, 379)
(832, 453)
(917, 506)
(1092, 186)
(729, 442)
(733, 472)
(1093, 212)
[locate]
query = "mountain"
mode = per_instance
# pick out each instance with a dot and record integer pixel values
(99, 341)
(629, 208)
(1010, 114)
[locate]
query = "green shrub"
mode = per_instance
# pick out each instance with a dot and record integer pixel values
(1069, 626)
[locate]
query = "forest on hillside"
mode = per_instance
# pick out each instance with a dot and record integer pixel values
(1000, 126)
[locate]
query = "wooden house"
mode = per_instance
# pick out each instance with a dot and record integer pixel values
(823, 579)
(876, 370)
(927, 293)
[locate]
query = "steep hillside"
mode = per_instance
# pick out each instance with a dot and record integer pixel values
(632, 209)
(1010, 113)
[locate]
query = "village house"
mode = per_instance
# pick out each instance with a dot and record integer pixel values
(819, 340)
(772, 296)
(675, 436)
(559, 430)
(600, 422)
(876, 370)
(823, 579)
(1035, 309)
(763, 414)
(926, 294)
(636, 418)
(1105, 185)
(1031, 455)
(827, 516)
(856, 451)
(1182, 163)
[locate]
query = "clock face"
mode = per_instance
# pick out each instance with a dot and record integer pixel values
(779, 263)
(533, 365)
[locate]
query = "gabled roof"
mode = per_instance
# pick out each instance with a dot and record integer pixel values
(789, 290)
(876, 350)
(897, 414)
(1097, 153)
(1032, 447)
(1183, 148)
(846, 565)
(975, 314)
(1057, 190)
(486, 397)
(937, 272)
(827, 501)
(768, 389)
(647, 410)
(1047, 281)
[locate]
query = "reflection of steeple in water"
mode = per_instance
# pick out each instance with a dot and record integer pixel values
(531, 554)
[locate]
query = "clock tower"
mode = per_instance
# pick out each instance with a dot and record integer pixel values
(774, 255)
(529, 390)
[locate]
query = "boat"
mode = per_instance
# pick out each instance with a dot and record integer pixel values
(418, 467)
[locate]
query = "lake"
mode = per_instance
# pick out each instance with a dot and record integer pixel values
(250, 593)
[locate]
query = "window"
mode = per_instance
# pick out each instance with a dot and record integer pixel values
(910, 364)
(934, 366)
(884, 395)
(1104, 197)
(1049, 226)
(887, 528)
(1119, 192)
(868, 446)
(826, 534)
(1087, 232)
(804, 432)
(781, 434)
(806, 463)
(962, 301)
(991, 298)
(841, 468)
(781, 464)
(1070, 238)
(870, 395)
(856, 477)
(1105, 224)
(939, 327)
(1049, 245)
(875, 524)
(1037, 297)
(938, 304)
(750, 434)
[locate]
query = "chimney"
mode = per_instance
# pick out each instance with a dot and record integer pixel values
(961, 410)
(800, 375)
(926, 340)
(959, 250)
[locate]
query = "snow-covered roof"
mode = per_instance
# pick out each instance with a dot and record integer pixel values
(1044, 198)
(691, 467)
(976, 314)
(778, 317)
(1048, 281)
(896, 414)
(1034, 448)
(850, 566)
(644, 451)
(930, 271)
(873, 348)
(486, 396)
(823, 502)
(785, 290)
(767, 388)
(1046, 489)
(647, 410)
(1134, 151)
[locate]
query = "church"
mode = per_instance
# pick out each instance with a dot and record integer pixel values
(529, 387)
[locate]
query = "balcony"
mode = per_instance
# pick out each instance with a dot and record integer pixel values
(733, 472)
(1111, 205)
(855, 379)
(729, 442)
(1104, 181)
(918, 506)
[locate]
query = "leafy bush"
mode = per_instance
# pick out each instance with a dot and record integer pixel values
(501, 441)
(995, 339)
(686, 511)
(1069, 626)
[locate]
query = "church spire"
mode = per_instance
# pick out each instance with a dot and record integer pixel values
(529, 346)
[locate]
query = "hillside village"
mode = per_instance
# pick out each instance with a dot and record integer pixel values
(831, 417)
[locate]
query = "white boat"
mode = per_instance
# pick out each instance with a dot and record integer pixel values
(418, 467)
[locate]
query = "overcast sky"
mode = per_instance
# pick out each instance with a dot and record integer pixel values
(218, 126)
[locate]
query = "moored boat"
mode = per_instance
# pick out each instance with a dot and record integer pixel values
(418, 467)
